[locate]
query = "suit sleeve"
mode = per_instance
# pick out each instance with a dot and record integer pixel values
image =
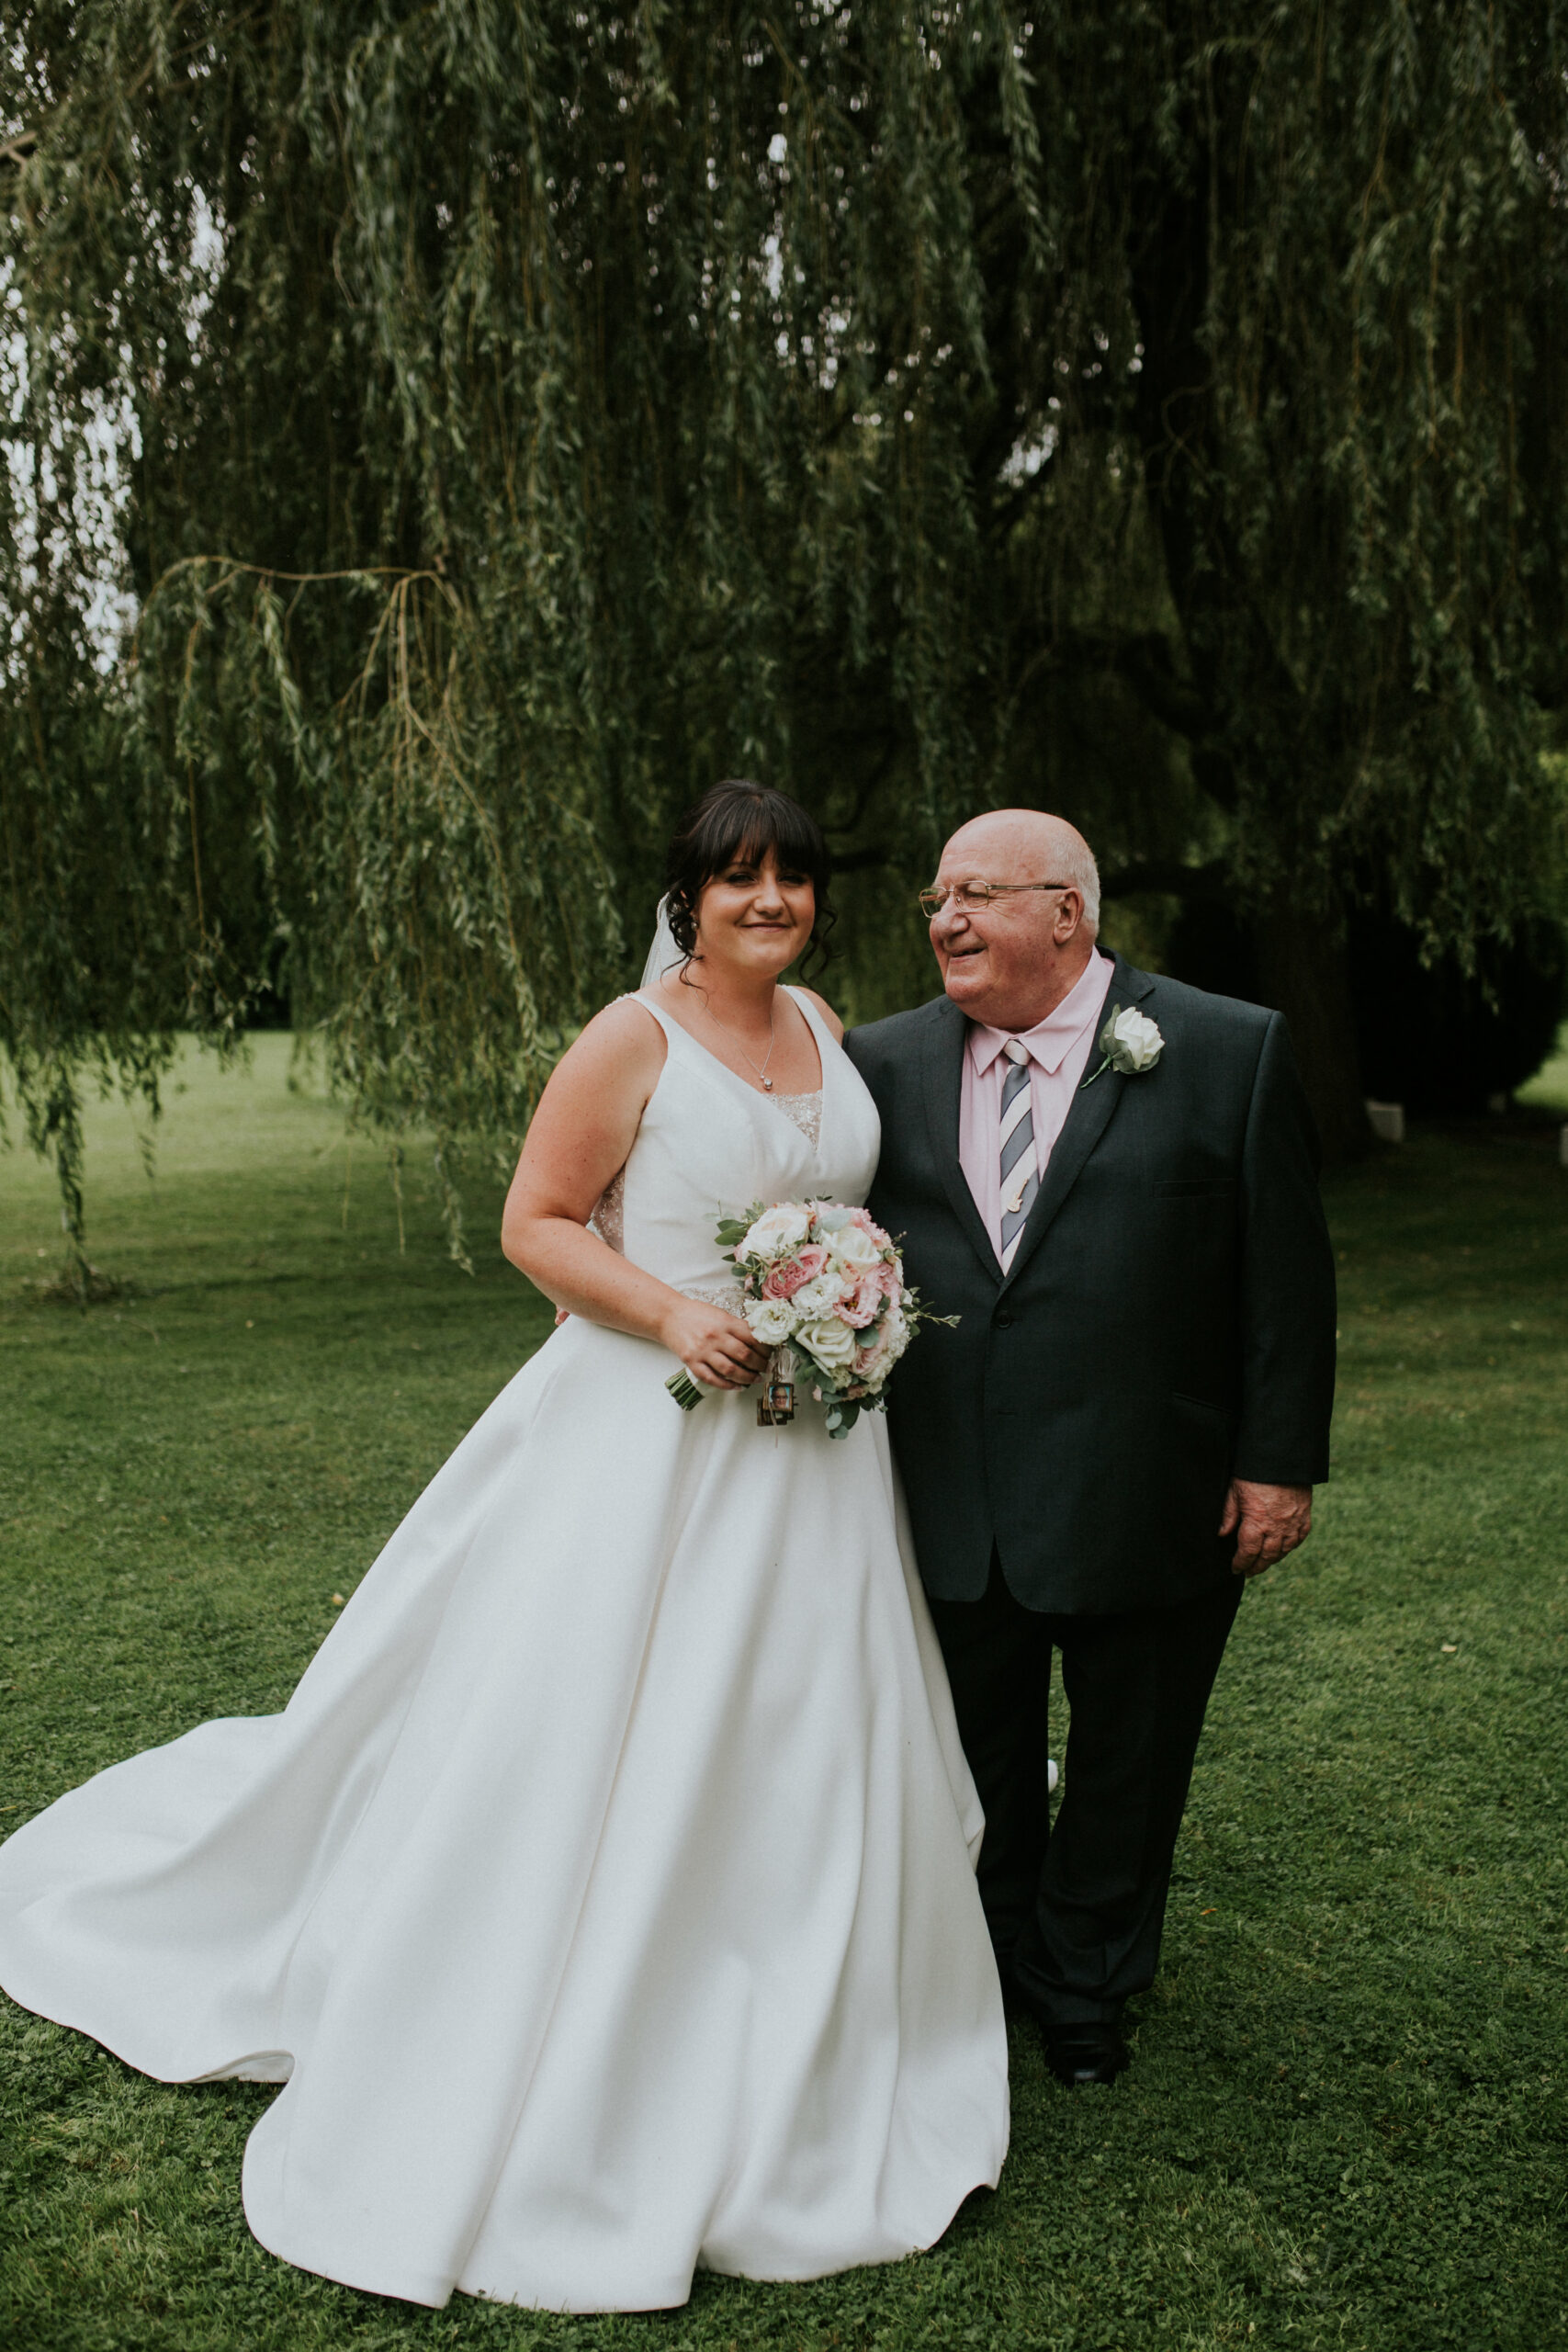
(1288, 1304)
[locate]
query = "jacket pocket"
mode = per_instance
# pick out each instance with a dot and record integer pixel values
(1197, 1188)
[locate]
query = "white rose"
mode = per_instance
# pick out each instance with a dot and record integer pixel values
(819, 1297)
(776, 1232)
(771, 1319)
(855, 1246)
(1132, 1042)
(833, 1344)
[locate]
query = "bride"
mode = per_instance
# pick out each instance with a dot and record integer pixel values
(603, 1897)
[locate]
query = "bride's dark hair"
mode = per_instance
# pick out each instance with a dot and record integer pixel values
(738, 822)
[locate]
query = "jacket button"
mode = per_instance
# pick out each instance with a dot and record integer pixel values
(1004, 1320)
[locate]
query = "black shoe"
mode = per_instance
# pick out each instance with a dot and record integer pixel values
(1080, 2054)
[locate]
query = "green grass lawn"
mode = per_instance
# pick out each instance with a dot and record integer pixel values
(1345, 2125)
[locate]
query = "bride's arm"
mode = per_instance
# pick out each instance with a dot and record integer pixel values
(584, 1126)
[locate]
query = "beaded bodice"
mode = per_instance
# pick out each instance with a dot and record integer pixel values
(805, 1110)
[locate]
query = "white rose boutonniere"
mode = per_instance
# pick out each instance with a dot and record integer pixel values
(1130, 1042)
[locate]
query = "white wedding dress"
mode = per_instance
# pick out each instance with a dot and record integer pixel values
(604, 1894)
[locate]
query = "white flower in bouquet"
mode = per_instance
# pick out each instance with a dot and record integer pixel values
(819, 1297)
(855, 1246)
(832, 1343)
(775, 1231)
(771, 1319)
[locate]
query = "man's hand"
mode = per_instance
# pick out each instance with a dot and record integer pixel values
(1266, 1521)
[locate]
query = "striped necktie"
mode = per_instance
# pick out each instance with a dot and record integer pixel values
(1020, 1175)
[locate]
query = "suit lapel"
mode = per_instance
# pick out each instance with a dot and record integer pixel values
(944, 1087)
(1093, 1108)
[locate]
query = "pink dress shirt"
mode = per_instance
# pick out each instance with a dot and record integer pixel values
(1059, 1049)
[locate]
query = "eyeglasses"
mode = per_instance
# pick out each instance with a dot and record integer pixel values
(966, 896)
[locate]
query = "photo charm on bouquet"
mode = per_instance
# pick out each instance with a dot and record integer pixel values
(823, 1289)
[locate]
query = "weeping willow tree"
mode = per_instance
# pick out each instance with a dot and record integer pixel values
(442, 438)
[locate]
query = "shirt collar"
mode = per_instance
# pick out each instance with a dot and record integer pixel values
(1051, 1040)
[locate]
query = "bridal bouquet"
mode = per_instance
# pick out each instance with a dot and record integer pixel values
(823, 1289)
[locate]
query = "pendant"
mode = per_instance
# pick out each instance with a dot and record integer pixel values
(767, 1086)
(775, 1407)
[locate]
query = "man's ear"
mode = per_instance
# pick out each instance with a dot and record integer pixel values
(1066, 929)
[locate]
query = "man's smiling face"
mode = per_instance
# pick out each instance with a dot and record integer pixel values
(1010, 963)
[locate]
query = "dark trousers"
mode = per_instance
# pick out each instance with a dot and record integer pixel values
(1076, 1910)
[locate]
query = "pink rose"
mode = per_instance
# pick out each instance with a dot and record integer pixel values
(862, 1217)
(792, 1274)
(864, 1304)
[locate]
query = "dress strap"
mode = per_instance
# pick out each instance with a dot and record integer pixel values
(814, 1022)
(644, 997)
(829, 1052)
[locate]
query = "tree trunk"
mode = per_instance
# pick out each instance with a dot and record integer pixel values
(1305, 972)
(1254, 707)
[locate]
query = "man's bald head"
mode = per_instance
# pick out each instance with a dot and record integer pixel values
(1011, 962)
(1043, 847)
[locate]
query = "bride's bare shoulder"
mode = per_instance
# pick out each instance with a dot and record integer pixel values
(623, 1043)
(627, 1017)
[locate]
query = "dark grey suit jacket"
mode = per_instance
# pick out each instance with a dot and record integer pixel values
(1168, 1322)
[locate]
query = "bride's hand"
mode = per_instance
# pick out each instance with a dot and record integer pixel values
(715, 1346)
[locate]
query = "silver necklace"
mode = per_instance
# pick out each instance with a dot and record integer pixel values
(763, 1080)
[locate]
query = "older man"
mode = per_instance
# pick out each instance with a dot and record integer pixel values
(1111, 1180)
